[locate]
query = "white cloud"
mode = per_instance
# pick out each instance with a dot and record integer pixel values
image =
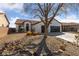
(17, 6)
(1, 11)
(12, 22)
(68, 19)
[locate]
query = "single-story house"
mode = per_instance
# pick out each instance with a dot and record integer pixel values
(4, 24)
(36, 26)
(66, 27)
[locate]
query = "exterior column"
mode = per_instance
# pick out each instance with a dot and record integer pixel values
(24, 27)
(17, 28)
(60, 28)
(49, 29)
(29, 27)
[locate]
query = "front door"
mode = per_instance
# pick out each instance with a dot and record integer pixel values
(27, 27)
(42, 29)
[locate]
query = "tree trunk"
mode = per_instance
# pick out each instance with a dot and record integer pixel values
(46, 32)
(43, 45)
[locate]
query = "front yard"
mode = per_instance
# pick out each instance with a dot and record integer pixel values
(11, 37)
(18, 44)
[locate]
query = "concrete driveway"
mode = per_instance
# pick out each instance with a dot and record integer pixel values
(67, 36)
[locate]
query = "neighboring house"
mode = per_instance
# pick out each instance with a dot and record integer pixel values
(4, 20)
(4, 24)
(36, 26)
(66, 27)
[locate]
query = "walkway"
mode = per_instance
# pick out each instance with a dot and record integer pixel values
(67, 36)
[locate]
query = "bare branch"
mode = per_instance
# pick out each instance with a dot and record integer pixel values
(41, 8)
(59, 6)
(50, 7)
(40, 12)
(40, 18)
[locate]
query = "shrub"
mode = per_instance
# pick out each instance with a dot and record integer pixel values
(35, 33)
(29, 33)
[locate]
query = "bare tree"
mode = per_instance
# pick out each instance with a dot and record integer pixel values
(46, 12)
(45, 15)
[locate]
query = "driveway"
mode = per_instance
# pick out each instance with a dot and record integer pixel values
(67, 36)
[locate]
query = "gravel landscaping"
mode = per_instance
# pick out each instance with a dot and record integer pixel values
(28, 45)
(68, 48)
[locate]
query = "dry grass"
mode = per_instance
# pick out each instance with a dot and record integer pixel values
(53, 43)
(11, 37)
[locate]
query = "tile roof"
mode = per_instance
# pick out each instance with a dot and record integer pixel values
(33, 22)
(21, 21)
(72, 23)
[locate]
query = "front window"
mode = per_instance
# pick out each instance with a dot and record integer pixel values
(21, 28)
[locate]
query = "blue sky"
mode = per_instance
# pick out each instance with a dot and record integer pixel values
(14, 11)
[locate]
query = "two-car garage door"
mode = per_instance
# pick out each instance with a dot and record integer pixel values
(52, 29)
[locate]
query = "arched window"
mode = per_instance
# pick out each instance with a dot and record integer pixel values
(27, 27)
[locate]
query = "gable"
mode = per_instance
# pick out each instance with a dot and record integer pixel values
(22, 21)
(55, 23)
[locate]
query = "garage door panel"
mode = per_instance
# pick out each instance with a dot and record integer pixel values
(54, 29)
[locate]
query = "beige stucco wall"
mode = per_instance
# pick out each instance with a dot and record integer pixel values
(3, 25)
(38, 26)
(3, 21)
(3, 31)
